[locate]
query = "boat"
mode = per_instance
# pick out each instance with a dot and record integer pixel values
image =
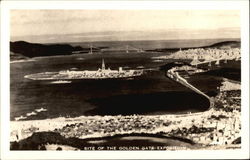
(157, 60)
(141, 67)
(41, 110)
(80, 58)
(20, 118)
(101, 73)
(60, 82)
(31, 113)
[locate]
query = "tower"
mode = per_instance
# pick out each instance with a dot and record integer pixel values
(217, 62)
(90, 52)
(103, 64)
(127, 49)
(195, 61)
(209, 64)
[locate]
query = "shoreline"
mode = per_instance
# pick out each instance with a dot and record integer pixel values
(21, 61)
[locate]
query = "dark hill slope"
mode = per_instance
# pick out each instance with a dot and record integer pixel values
(37, 50)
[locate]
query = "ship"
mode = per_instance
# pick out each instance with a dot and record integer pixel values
(101, 73)
(60, 82)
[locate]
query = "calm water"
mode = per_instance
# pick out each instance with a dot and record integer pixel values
(152, 93)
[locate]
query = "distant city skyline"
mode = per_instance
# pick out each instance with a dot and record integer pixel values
(97, 25)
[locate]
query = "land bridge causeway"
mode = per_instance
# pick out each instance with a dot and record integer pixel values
(174, 75)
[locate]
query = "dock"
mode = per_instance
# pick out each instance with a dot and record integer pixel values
(174, 75)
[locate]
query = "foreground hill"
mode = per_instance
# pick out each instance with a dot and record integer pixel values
(36, 50)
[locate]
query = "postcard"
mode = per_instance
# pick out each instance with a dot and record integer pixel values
(124, 80)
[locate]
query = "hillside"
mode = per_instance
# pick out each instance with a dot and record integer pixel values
(36, 50)
(219, 45)
(17, 56)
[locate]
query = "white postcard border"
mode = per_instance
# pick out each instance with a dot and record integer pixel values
(170, 5)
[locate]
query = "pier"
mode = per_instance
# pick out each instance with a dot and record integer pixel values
(174, 75)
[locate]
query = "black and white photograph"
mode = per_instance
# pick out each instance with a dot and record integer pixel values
(125, 79)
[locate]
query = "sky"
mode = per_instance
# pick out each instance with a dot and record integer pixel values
(122, 24)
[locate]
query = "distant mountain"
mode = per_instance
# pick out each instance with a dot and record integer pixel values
(219, 45)
(225, 44)
(36, 50)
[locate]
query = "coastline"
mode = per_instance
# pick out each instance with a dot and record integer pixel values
(23, 60)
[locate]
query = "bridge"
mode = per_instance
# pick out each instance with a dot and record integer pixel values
(209, 60)
(126, 49)
(91, 47)
(174, 75)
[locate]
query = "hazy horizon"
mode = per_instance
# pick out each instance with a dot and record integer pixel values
(128, 36)
(53, 26)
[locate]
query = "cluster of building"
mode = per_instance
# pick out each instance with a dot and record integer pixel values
(229, 101)
(211, 128)
(207, 54)
(111, 125)
(101, 73)
(230, 86)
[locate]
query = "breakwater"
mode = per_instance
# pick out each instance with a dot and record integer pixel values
(174, 75)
